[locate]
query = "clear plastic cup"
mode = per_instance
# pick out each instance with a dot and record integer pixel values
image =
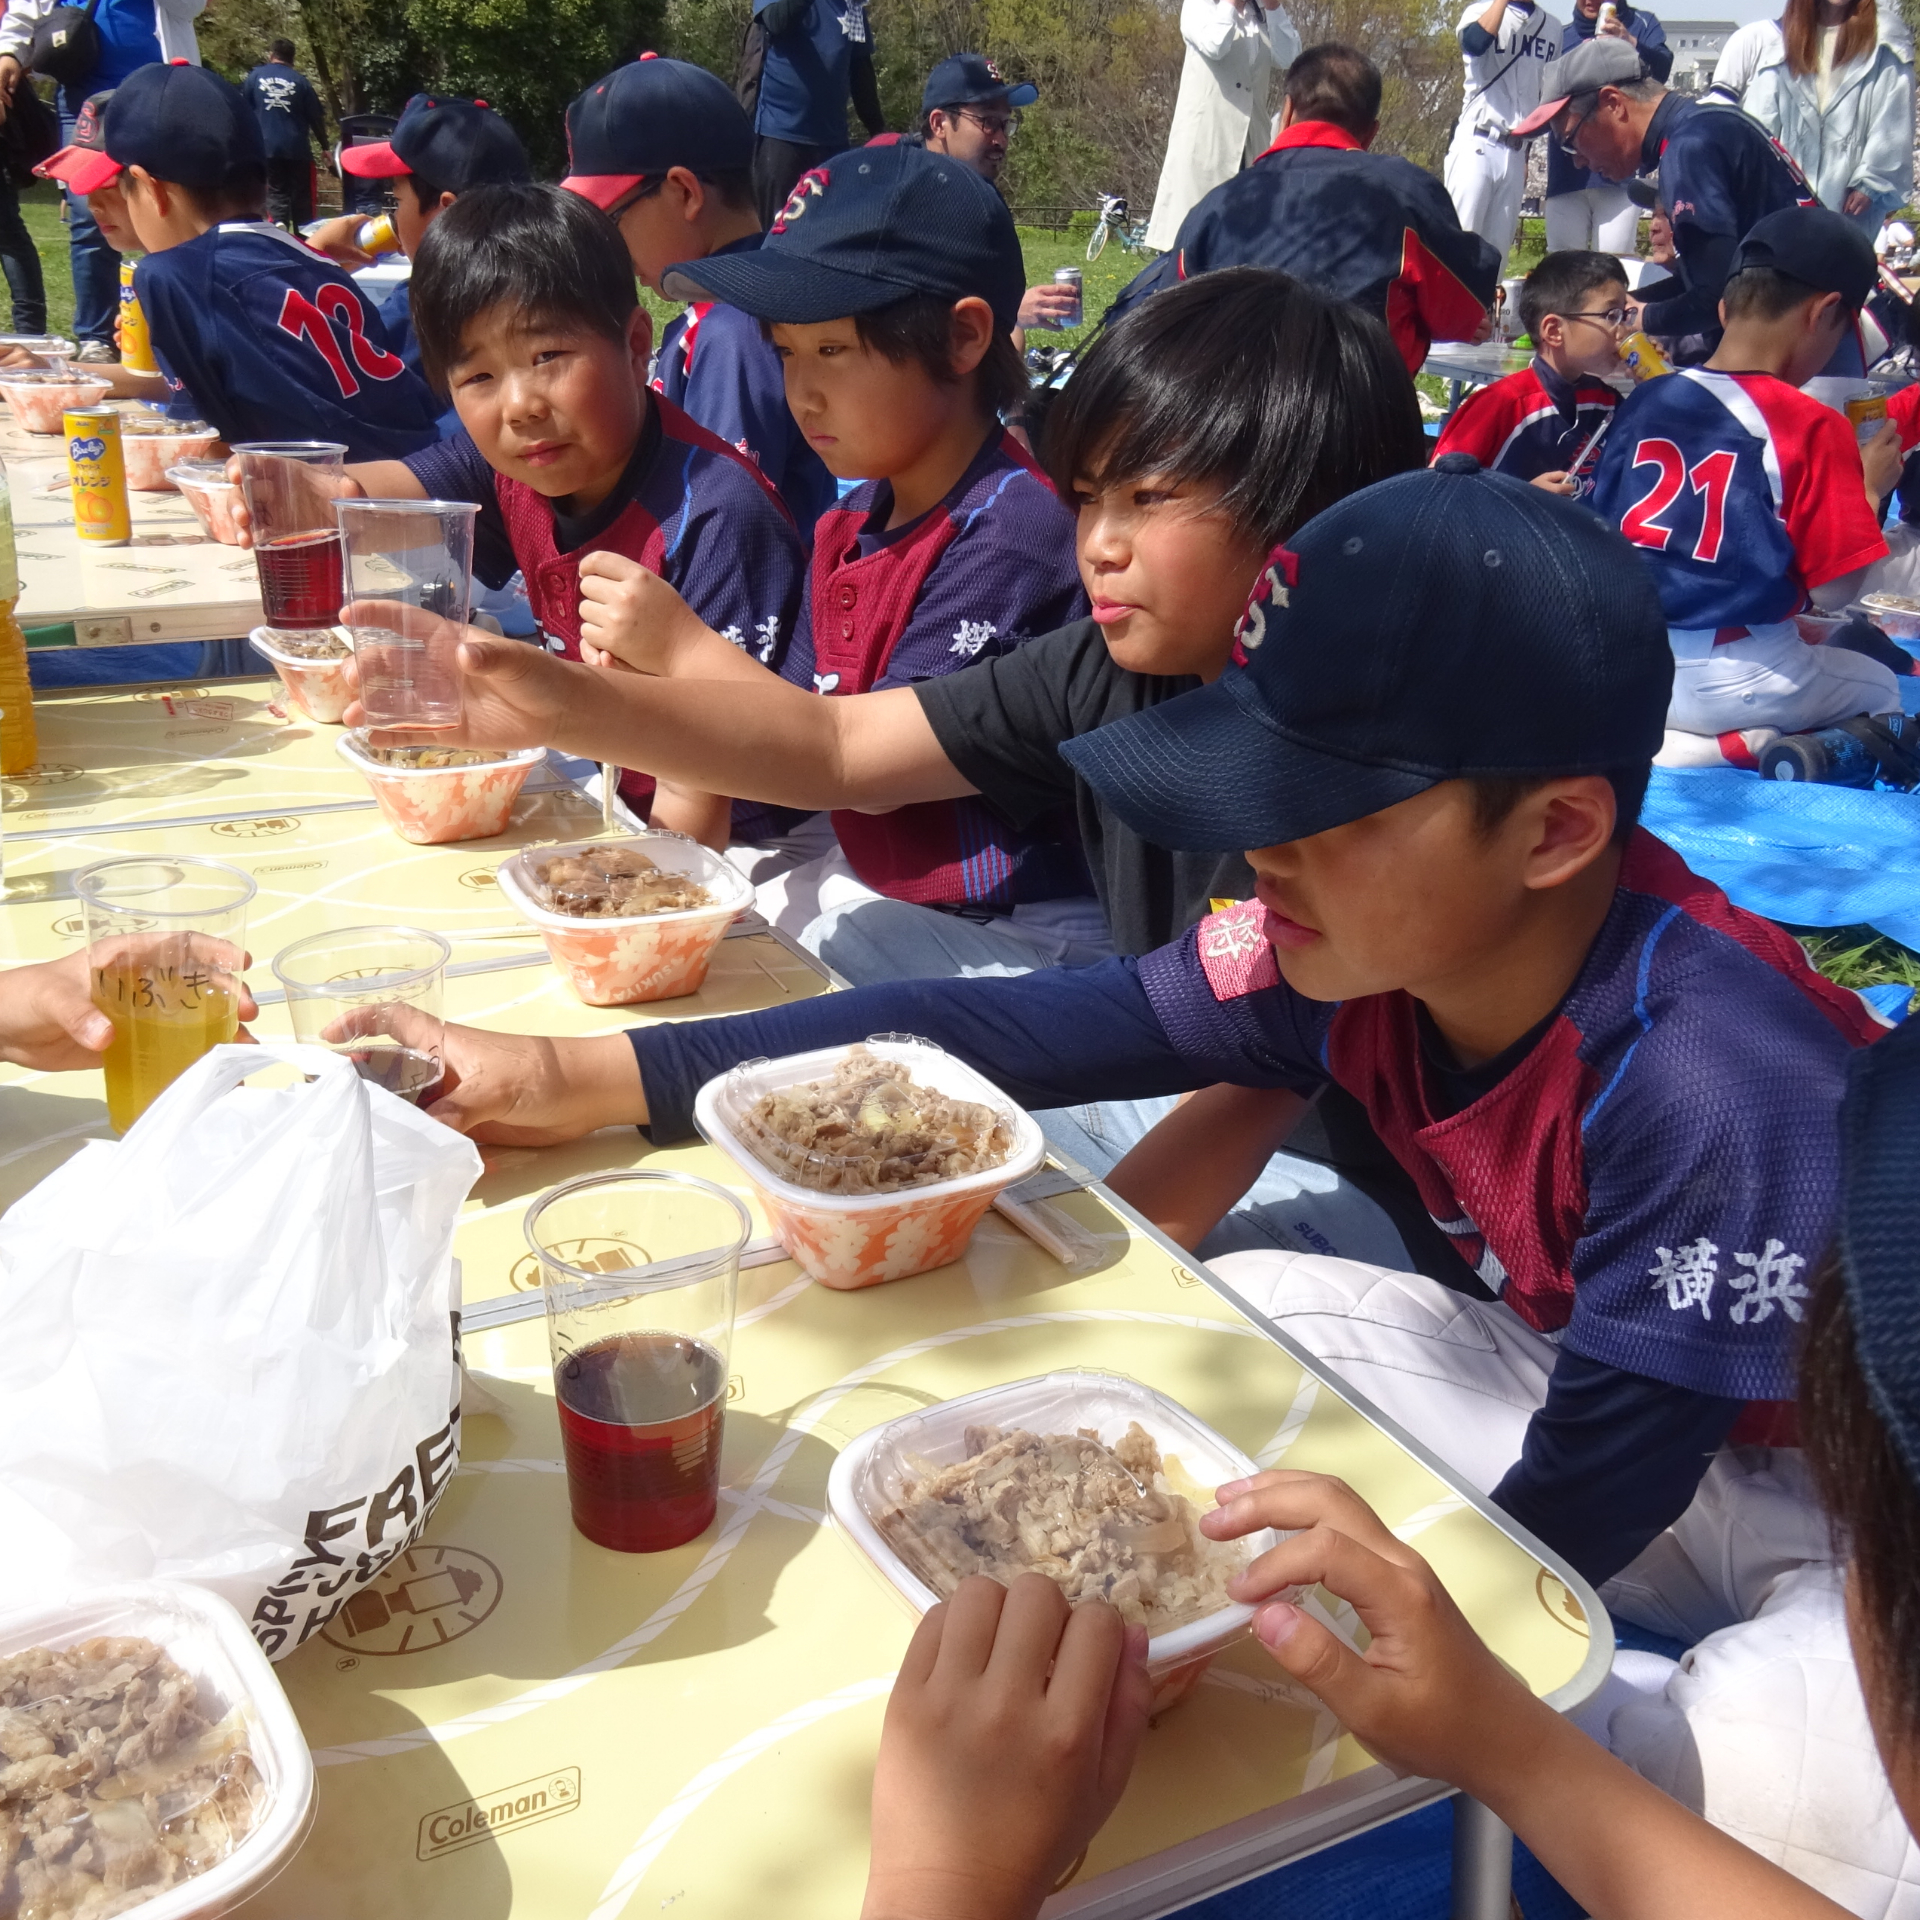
(409, 587)
(640, 1271)
(290, 488)
(373, 994)
(166, 942)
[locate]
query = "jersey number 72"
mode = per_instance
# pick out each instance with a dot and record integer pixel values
(311, 320)
(1709, 478)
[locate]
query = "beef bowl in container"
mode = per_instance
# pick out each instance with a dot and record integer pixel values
(152, 445)
(312, 667)
(212, 496)
(873, 1162)
(980, 1484)
(629, 920)
(39, 397)
(433, 795)
(172, 1781)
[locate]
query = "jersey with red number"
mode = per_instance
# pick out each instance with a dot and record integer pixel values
(1741, 493)
(265, 339)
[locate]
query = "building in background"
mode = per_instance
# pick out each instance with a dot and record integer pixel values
(1697, 45)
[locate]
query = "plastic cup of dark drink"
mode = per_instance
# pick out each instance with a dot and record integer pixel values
(640, 1271)
(373, 994)
(409, 585)
(290, 487)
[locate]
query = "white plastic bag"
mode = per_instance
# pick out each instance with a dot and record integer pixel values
(231, 1347)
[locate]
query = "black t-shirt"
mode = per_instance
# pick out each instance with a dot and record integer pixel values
(1001, 723)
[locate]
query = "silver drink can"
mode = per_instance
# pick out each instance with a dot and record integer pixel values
(1069, 277)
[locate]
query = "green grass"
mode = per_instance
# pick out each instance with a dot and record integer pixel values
(1860, 957)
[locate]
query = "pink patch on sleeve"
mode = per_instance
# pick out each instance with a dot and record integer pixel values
(1235, 954)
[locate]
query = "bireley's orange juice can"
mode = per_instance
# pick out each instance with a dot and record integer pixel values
(1642, 358)
(98, 470)
(1868, 412)
(136, 343)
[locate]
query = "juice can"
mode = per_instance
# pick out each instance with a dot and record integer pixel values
(1868, 412)
(377, 235)
(1069, 277)
(136, 341)
(1643, 358)
(98, 470)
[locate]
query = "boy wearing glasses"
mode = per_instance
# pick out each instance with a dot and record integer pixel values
(1545, 423)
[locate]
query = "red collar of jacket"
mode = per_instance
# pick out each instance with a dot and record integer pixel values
(1315, 133)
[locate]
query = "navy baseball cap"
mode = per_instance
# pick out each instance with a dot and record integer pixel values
(454, 144)
(972, 80)
(1442, 625)
(1821, 249)
(84, 165)
(182, 123)
(647, 116)
(868, 228)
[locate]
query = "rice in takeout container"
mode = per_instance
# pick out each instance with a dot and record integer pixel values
(432, 805)
(312, 669)
(846, 1230)
(152, 445)
(1896, 614)
(40, 396)
(875, 1487)
(616, 959)
(211, 495)
(246, 1710)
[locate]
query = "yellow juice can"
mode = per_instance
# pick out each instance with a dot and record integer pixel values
(136, 341)
(1643, 358)
(377, 235)
(1868, 412)
(98, 469)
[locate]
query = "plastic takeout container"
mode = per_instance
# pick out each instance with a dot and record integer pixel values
(38, 398)
(209, 1640)
(869, 1476)
(211, 495)
(651, 956)
(433, 805)
(152, 445)
(862, 1239)
(319, 688)
(1897, 615)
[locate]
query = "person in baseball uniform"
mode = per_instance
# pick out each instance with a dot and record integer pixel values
(1507, 44)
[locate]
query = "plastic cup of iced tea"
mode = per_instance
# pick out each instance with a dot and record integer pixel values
(640, 1271)
(409, 587)
(290, 487)
(372, 994)
(166, 947)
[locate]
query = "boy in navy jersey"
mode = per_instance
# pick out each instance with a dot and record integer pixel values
(525, 309)
(255, 332)
(666, 152)
(1748, 500)
(1543, 423)
(890, 285)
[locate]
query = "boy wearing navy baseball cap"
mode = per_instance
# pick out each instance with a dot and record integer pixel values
(1608, 1093)
(889, 286)
(255, 332)
(666, 152)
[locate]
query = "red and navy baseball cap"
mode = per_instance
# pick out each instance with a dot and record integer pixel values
(867, 229)
(84, 165)
(972, 80)
(182, 123)
(1823, 250)
(1443, 625)
(454, 144)
(647, 116)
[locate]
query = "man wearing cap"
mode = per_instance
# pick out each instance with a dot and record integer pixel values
(666, 151)
(1720, 172)
(818, 52)
(1370, 228)
(440, 148)
(1581, 209)
(290, 117)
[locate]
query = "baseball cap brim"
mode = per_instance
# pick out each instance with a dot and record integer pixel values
(84, 170)
(375, 161)
(1207, 773)
(605, 190)
(1542, 116)
(779, 287)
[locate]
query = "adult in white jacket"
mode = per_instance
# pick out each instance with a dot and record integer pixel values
(1834, 85)
(1220, 119)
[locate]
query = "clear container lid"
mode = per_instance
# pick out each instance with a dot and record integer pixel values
(158, 426)
(409, 761)
(610, 883)
(201, 473)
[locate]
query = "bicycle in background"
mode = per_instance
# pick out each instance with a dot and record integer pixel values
(1111, 219)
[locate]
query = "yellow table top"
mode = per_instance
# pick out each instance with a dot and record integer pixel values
(171, 583)
(515, 1720)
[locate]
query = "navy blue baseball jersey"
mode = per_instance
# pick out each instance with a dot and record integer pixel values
(805, 81)
(1740, 491)
(714, 361)
(1533, 422)
(265, 339)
